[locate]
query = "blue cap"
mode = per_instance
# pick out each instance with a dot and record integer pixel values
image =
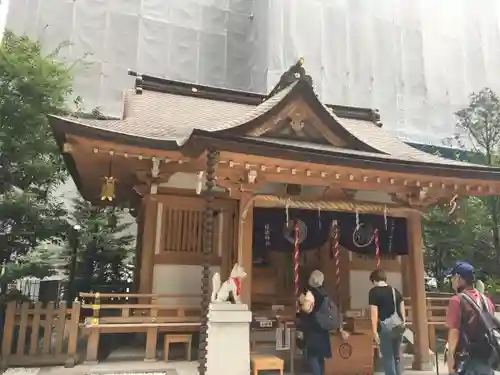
(462, 269)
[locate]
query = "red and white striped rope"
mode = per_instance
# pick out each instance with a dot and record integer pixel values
(336, 249)
(377, 247)
(296, 260)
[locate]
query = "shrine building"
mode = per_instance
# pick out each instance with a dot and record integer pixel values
(218, 176)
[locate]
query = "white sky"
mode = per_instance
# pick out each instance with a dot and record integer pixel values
(4, 7)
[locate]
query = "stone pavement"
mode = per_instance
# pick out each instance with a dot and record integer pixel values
(155, 368)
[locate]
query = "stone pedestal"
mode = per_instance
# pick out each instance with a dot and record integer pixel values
(228, 342)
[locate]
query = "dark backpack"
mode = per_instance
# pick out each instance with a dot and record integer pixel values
(327, 316)
(487, 344)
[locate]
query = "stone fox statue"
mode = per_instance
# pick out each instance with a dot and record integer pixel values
(230, 290)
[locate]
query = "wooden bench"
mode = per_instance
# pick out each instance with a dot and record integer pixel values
(266, 362)
(148, 324)
(177, 339)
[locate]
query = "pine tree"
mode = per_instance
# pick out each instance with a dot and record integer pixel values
(104, 248)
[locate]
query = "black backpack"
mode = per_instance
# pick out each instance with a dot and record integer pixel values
(327, 316)
(488, 344)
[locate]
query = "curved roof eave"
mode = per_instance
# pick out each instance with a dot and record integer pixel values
(62, 126)
(200, 140)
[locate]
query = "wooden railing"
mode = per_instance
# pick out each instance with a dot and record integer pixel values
(135, 313)
(436, 308)
(36, 335)
(437, 304)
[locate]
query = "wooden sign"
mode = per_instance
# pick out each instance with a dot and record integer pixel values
(261, 322)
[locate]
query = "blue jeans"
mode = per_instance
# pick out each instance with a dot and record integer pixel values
(390, 348)
(316, 365)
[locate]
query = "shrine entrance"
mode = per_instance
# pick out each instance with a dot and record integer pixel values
(335, 242)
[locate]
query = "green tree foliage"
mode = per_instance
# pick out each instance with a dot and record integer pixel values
(475, 235)
(466, 237)
(32, 85)
(480, 125)
(104, 248)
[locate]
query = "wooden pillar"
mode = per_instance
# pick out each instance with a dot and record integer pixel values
(148, 243)
(432, 337)
(245, 238)
(422, 360)
(138, 249)
(405, 275)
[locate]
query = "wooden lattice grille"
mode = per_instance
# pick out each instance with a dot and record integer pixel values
(182, 230)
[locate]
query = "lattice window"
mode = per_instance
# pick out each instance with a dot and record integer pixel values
(182, 223)
(183, 230)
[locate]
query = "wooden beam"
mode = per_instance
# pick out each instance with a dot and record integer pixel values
(362, 179)
(90, 144)
(335, 193)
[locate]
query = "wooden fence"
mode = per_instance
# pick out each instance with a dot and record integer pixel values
(37, 335)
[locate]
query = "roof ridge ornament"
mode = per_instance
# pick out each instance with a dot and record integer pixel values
(375, 117)
(295, 73)
(138, 81)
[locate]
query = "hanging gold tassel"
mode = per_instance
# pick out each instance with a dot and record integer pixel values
(108, 189)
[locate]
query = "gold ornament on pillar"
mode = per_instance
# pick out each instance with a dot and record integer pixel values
(456, 210)
(453, 205)
(108, 186)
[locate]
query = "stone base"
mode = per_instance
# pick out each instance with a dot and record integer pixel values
(228, 339)
(422, 365)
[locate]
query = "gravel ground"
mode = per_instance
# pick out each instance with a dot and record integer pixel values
(21, 371)
(35, 371)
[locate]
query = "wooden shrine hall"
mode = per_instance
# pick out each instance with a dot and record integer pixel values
(219, 176)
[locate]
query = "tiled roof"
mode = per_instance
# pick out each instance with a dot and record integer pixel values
(383, 141)
(167, 116)
(171, 117)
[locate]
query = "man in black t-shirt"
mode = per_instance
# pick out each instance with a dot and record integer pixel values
(384, 300)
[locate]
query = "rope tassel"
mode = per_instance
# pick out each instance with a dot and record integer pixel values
(377, 247)
(336, 256)
(296, 260)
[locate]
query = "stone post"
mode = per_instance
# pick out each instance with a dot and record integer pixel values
(228, 339)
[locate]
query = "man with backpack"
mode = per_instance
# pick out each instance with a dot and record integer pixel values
(319, 316)
(473, 331)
